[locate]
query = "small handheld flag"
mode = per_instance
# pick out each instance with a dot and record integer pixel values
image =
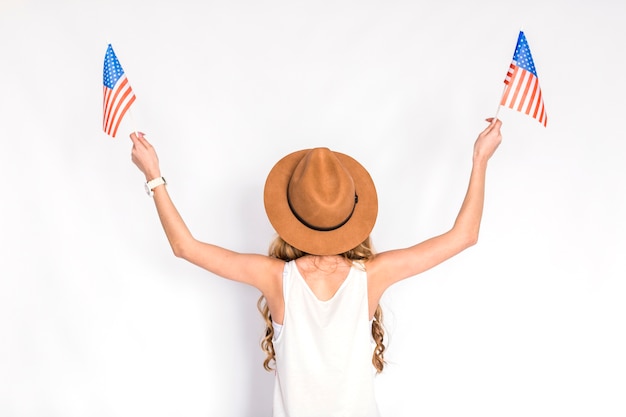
(522, 92)
(118, 94)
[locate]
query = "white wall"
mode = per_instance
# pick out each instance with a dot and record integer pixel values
(97, 318)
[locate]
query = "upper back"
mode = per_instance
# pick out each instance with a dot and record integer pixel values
(323, 275)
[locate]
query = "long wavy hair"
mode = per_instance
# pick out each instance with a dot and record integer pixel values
(282, 250)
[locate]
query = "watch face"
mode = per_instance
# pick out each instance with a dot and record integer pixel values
(147, 188)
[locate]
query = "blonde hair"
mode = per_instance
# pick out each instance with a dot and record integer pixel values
(282, 250)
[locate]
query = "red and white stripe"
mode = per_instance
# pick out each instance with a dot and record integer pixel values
(115, 104)
(523, 94)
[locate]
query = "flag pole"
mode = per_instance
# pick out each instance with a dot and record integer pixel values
(132, 121)
(499, 103)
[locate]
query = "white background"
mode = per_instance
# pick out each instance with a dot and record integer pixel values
(98, 318)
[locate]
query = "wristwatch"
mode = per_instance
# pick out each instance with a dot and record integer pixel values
(152, 184)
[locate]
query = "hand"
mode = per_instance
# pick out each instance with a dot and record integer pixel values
(488, 141)
(144, 156)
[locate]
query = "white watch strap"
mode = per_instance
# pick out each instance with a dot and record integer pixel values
(152, 184)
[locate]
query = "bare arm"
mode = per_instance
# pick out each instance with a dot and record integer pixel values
(259, 271)
(390, 267)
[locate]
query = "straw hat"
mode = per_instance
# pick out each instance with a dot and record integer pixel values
(321, 202)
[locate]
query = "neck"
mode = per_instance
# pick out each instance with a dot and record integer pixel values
(325, 262)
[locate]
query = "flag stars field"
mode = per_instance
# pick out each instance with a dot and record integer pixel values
(523, 57)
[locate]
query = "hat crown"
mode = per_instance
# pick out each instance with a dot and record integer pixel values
(321, 191)
(320, 201)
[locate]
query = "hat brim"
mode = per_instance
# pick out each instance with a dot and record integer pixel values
(316, 242)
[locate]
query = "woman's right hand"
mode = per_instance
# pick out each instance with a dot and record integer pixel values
(144, 156)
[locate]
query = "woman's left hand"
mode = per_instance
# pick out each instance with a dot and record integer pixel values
(144, 156)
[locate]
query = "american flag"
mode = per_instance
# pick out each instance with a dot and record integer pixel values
(522, 91)
(118, 95)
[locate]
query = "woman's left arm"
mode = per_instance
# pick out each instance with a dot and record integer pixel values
(390, 267)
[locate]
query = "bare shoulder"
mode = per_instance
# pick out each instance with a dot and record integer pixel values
(265, 272)
(385, 264)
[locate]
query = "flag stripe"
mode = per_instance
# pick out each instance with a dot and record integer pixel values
(118, 101)
(517, 83)
(524, 94)
(538, 106)
(114, 103)
(530, 85)
(107, 108)
(513, 72)
(509, 74)
(113, 119)
(105, 104)
(532, 98)
(128, 104)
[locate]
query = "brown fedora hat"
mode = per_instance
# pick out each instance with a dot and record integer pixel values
(321, 202)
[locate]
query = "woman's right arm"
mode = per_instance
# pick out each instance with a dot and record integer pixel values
(259, 271)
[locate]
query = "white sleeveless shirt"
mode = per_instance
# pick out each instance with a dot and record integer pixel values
(324, 351)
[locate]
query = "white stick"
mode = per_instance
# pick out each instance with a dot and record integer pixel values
(497, 111)
(132, 121)
(499, 105)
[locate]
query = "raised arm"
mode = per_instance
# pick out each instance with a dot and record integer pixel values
(390, 267)
(259, 271)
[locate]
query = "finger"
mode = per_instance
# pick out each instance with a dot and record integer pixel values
(493, 124)
(142, 139)
(497, 124)
(139, 139)
(487, 130)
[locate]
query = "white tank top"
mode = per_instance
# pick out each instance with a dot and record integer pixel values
(324, 350)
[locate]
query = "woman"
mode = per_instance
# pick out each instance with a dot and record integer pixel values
(321, 283)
